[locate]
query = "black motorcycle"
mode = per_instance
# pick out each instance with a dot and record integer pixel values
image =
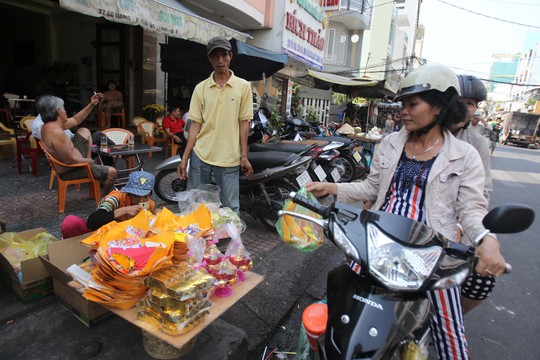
(262, 194)
(377, 304)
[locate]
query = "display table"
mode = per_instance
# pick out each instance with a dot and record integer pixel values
(365, 142)
(220, 305)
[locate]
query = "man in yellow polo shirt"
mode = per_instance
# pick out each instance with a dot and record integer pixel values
(220, 110)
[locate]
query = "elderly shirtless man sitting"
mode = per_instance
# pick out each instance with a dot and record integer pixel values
(70, 151)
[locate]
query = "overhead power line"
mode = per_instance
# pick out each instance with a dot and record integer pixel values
(513, 3)
(490, 17)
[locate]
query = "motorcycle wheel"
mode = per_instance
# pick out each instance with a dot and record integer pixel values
(277, 190)
(350, 169)
(361, 167)
(168, 184)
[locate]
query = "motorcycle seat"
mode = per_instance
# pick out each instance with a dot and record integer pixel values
(269, 159)
(345, 140)
(283, 147)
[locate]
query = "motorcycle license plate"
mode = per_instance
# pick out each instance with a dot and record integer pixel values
(303, 179)
(335, 175)
(320, 173)
(357, 156)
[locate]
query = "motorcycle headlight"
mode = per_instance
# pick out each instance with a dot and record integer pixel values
(397, 266)
(343, 242)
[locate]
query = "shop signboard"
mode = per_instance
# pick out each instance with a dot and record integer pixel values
(155, 16)
(304, 32)
(330, 5)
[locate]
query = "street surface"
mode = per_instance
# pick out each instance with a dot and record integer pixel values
(505, 326)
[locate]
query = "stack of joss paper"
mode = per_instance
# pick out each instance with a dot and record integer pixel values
(177, 300)
(128, 252)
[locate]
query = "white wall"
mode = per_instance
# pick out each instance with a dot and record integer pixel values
(376, 41)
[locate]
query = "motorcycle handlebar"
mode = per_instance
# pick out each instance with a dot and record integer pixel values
(322, 210)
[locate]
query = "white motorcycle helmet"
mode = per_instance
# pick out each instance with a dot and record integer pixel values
(431, 77)
(428, 77)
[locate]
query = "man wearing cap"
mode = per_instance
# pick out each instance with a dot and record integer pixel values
(119, 205)
(220, 109)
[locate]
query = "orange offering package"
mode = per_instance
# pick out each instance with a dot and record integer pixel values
(138, 226)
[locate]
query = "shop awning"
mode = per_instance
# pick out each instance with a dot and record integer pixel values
(249, 62)
(355, 87)
(162, 16)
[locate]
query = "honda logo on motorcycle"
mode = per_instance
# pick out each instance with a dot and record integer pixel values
(368, 302)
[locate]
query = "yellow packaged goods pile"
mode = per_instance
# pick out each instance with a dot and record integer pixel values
(20, 267)
(16, 248)
(178, 298)
(166, 264)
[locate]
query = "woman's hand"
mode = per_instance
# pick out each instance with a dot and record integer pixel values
(319, 189)
(490, 260)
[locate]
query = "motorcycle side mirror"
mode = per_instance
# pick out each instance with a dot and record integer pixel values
(509, 219)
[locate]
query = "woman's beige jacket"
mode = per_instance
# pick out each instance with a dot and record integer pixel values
(454, 188)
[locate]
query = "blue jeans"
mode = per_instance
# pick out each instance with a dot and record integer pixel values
(227, 178)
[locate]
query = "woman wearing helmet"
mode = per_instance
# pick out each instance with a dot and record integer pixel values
(424, 173)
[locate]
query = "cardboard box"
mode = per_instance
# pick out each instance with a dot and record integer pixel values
(61, 256)
(35, 283)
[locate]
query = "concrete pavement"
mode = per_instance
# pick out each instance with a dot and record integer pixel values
(46, 329)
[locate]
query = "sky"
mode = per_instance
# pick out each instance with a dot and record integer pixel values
(466, 41)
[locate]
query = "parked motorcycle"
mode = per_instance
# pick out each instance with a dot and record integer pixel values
(311, 150)
(261, 194)
(326, 162)
(340, 165)
(295, 128)
(354, 163)
(377, 305)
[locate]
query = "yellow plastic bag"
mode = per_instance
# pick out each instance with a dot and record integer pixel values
(300, 234)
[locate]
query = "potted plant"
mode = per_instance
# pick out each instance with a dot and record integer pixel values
(153, 111)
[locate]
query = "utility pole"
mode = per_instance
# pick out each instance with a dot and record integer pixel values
(413, 54)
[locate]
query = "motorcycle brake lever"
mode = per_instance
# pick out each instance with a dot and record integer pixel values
(321, 222)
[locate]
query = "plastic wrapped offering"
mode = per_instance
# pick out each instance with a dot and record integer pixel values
(299, 233)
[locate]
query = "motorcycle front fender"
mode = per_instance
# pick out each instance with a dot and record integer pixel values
(170, 163)
(367, 322)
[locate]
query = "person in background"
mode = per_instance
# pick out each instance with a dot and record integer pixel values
(69, 151)
(71, 122)
(264, 101)
(389, 125)
(494, 137)
(173, 125)
(479, 124)
(491, 124)
(220, 110)
(473, 92)
(74, 121)
(426, 174)
(118, 205)
(350, 114)
(112, 101)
